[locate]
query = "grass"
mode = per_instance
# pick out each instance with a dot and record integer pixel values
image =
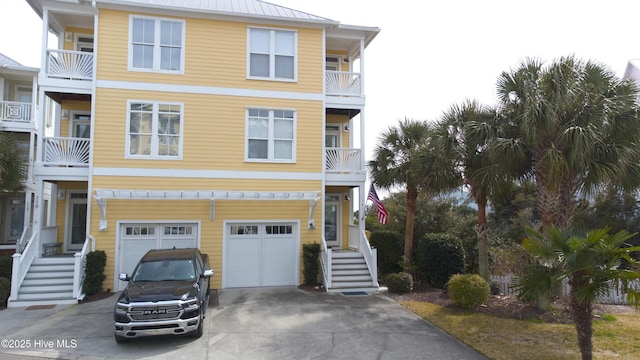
(615, 337)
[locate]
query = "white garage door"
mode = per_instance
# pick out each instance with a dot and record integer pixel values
(260, 255)
(137, 239)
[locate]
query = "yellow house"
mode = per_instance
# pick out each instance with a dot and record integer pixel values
(233, 126)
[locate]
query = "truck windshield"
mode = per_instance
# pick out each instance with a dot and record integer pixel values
(165, 270)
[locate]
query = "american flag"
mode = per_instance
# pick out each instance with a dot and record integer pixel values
(382, 212)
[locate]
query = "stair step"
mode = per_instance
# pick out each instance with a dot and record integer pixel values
(40, 288)
(51, 267)
(343, 272)
(47, 281)
(345, 254)
(68, 260)
(359, 260)
(43, 295)
(349, 284)
(366, 277)
(48, 274)
(349, 266)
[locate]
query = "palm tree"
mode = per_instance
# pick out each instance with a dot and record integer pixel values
(405, 156)
(590, 262)
(465, 131)
(578, 127)
(11, 168)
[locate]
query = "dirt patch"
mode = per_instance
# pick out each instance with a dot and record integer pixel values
(312, 288)
(508, 306)
(98, 296)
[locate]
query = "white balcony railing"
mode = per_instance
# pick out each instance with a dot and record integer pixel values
(79, 265)
(71, 65)
(13, 111)
(343, 160)
(342, 83)
(65, 151)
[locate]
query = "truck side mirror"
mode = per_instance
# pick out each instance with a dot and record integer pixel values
(208, 273)
(124, 277)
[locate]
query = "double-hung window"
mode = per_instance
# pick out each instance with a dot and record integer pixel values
(154, 130)
(156, 44)
(272, 54)
(270, 135)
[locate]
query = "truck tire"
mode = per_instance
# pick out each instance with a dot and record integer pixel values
(197, 333)
(121, 339)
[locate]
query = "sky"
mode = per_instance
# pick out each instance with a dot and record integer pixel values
(430, 55)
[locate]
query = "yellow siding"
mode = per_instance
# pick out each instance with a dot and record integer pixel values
(215, 55)
(71, 106)
(75, 31)
(214, 131)
(211, 232)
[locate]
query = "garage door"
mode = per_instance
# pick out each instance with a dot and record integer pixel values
(261, 255)
(137, 239)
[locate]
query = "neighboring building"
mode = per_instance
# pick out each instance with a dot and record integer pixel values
(225, 125)
(632, 72)
(18, 85)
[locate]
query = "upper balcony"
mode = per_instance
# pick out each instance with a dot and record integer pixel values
(17, 116)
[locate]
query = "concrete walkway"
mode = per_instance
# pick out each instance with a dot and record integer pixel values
(268, 323)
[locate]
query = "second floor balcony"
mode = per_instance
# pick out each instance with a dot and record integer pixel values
(17, 116)
(344, 166)
(66, 151)
(67, 68)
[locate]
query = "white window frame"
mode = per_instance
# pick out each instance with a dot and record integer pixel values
(154, 131)
(157, 58)
(271, 138)
(272, 55)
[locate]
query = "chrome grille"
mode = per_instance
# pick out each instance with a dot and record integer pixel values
(155, 312)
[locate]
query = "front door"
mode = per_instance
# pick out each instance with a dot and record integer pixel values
(332, 224)
(76, 229)
(14, 219)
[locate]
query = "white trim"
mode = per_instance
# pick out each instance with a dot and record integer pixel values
(157, 57)
(79, 35)
(159, 194)
(208, 90)
(206, 174)
(72, 121)
(296, 233)
(69, 202)
(272, 54)
(154, 131)
(338, 204)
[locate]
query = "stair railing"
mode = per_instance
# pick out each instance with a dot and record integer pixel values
(370, 256)
(325, 262)
(79, 265)
(22, 262)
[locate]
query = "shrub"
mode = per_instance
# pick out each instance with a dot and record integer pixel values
(6, 266)
(399, 282)
(468, 291)
(390, 245)
(94, 272)
(311, 259)
(5, 290)
(438, 256)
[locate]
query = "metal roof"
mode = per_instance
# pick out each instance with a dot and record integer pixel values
(248, 8)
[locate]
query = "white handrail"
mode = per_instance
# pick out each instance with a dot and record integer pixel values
(22, 262)
(66, 151)
(24, 239)
(79, 265)
(370, 257)
(325, 261)
(69, 64)
(343, 160)
(343, 83)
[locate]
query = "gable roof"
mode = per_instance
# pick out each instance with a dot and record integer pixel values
(6, 61)
(246, 8)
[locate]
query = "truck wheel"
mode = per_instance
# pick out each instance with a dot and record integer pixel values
(121, 339)
(197, 333)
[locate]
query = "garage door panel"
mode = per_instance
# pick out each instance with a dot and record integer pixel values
(265, 260)
(243, 262)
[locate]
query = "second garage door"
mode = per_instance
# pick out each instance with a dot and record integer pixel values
(261, 255)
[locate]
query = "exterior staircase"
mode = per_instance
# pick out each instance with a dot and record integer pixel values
(349, 273)
(49, 280)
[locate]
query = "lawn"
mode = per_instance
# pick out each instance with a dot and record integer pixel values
(616, 334)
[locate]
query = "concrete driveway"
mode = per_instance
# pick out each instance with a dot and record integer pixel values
(271, 323)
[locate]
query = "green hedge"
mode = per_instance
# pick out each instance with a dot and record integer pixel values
(399, 282)
(311, 259)
(468, 291)
(6, 266)
(390, 245)
(438, 256)
(5, 290)
(94, 272)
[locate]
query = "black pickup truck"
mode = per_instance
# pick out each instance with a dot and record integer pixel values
(167, 293)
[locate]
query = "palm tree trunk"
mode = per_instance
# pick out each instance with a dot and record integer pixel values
(582, 316)
(412, 196)
(483, 239)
